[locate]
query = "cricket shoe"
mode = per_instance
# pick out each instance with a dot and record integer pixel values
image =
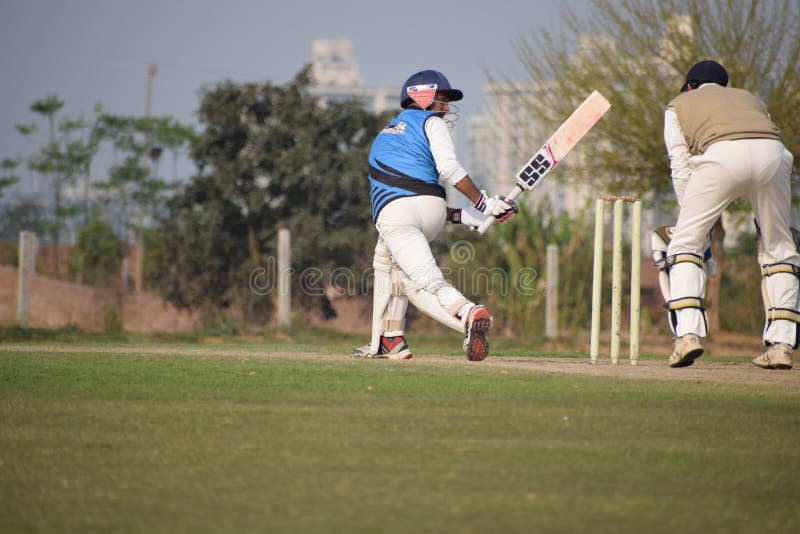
(685, 351)
(777, 356)
(478, 322)
(393, 348)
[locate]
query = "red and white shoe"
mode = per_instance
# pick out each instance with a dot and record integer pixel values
(478, 322)
(393, 348)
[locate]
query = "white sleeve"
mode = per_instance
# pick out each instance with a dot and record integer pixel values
(444, 153)
(678, 152)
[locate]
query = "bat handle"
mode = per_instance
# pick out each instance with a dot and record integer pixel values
(490, 220)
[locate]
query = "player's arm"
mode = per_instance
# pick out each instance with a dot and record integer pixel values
(473, 218)
(467, 187)
(444, 155)
(678, 152)
(502, 208)
(450, 170)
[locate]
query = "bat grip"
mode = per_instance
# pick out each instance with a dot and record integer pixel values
(490, 220)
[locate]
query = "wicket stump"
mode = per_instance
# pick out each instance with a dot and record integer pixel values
(616, 277)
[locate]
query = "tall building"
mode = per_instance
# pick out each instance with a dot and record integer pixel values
(337, 78)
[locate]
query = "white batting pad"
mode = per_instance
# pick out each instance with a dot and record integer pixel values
(780, 291)
(428, 302)
(687, 279)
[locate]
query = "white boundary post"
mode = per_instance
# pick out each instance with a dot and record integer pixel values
(551, 302)
(27, 266)
(284, 274)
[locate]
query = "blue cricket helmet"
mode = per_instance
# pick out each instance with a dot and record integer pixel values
(428, 77)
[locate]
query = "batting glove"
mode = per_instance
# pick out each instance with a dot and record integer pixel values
(501, 207)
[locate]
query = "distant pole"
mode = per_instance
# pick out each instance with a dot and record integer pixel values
(551, 304)
(138, 263)
(284, 273)
(27, 266)
(151, 71)
(125, 274)
(154, 153)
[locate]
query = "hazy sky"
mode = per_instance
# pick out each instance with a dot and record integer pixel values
(89, 51)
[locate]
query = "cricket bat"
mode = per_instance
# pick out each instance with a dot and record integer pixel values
(560, 143)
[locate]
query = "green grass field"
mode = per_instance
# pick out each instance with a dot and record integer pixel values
(94, 440)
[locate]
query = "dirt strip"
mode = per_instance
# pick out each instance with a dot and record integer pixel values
(704, 370)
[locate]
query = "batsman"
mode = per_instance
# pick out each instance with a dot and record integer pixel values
(407, 161)
(722, 145)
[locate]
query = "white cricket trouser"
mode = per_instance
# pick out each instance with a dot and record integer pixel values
(407, 225)
(758, 170)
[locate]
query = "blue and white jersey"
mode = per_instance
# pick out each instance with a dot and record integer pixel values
(401, 163)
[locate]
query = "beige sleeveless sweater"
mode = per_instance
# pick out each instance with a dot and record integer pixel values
(715, 113)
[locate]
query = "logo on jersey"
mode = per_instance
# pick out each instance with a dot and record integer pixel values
(422, 94)
(396, 129)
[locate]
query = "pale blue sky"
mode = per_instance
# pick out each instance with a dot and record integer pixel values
(89, 51)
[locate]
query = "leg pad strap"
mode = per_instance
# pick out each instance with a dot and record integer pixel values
(669, 261)
(686, 302)
(783, 314)
(776, 268)
(784, 310)
(453, 308)
(393, 324)
(693, 282)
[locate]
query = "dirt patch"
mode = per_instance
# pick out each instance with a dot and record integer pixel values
(57, 303)
(709, 371)
(701, 371)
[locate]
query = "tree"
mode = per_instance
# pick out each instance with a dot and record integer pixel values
(200, 246)
(90, 146)
(270, 157)
(132, 188)
(99, 253)
(61, 161)
(167, 133)
(124, 179)
(8, 167)
(636, 52)
(133, 192)
(23, 214)
(49, 107)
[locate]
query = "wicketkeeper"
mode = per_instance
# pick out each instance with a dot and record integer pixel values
(722, 145)
(409, 158)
